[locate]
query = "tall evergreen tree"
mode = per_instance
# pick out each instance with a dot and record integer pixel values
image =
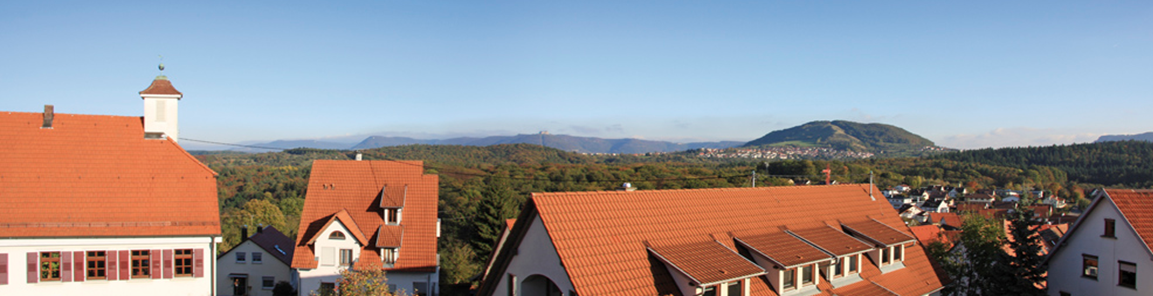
(497, 204)
(1025, 271)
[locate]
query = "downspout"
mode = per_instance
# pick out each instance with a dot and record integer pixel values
(212, 247)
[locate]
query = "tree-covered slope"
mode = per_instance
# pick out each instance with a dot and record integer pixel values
(847, 135)
(1123, 163)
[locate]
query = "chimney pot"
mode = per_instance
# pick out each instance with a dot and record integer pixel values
(243, 232)
(358, 156)
(49, 114)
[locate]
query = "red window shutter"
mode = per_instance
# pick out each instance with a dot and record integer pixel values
(3, 269)
(125, 265)
(78, 263)
(33, 267)
(198, 263)
(65, 267)
(154, 257)
(167, 264)
(111, 269)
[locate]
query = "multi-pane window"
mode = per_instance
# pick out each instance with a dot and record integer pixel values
(807, 275)
(257, 257)
(389, 255)
(49, 266)
(240, 257)
(897, 252)
(393, 216)
(96, 265)
(885, 256)
(790, 279)
(1110, 226)
(839, 268)
(337, 235)
(710, 291)
(345, 256)
(1089, 266)
(853, 263)
(183, 262)
(140, 263)
(1126, 274)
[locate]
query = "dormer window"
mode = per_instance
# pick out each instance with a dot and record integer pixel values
(885, 255)
(388, 255)
(392, 216)
(789, 279)
(336, 235)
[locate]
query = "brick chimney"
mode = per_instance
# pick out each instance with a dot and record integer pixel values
(49, 114)
(160, 102)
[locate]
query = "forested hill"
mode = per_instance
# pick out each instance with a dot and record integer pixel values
(846, 135)
(1148, 137)
(473, 155)
(562, 142)
(1122, 163)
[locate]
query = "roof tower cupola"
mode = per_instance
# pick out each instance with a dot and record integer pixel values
(160, 106)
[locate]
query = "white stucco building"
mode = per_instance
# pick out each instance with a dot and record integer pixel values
(1106, 252)
(369, 215)
(98, 205)
(257, 264)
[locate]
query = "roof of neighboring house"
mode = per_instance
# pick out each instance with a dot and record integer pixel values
(161, 86)
(601, 236)
(980, 196)
(929, 233)
(971, 206)
(349, 191)
(879, 232)
(97, 176)
(783, 248)
(951, 219)
(272, 241)
(1136, 207)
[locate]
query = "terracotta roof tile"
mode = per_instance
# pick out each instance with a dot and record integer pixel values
(354, 187)
(389, 236)
(928, 233)
(864, 288)
(96, 176)
(707, 262)
(600, 236)
(832, 240)
(951, 219)
(880, 233)
(783, 248)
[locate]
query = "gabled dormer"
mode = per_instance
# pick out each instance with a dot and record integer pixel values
(889, 243)
(388, 242)
(706, 267)
(339, 241)
(791, 265)
(392, 203)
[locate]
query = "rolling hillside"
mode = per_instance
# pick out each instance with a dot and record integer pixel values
(847, 135)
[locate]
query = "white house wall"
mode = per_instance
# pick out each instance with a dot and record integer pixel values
(536, 256)
(310, 279)
(16, 249)
(1065, 265)
(269, 266)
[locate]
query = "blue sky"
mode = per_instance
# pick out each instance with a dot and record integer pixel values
(963, 74)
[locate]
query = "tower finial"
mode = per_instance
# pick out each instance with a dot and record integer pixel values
(161, 76)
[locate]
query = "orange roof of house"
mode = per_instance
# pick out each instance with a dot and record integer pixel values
(1137, 207)
(352, 188)
(96, 176)
(832, 240)
(928, 233)
(879, 232)
(600, 236)
(950, 219)
(160, 86)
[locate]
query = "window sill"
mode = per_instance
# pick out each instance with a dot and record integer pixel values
(1106, 236)
(1089, 277)
(1128, 287)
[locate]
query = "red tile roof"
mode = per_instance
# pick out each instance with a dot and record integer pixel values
(389, 236)
(879, 232)
(864, 289)
(161, 86)
(599, 236)
(783, 248)
(928, 233)
(353, 187)
(96, 176)
(950, 219)
(832, 240)
(707, 262)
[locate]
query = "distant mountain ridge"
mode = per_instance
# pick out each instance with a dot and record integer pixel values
(845, 135)
(562, 142)
(1147, 137)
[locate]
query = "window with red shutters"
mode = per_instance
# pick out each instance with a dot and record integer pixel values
(125, 262)
(140, 264)
(3, 269)
(167, 264)
(65, 266)
(198, 262)
(97, 265)
(156, 264)
(33, 267)
(78, 266)
(183, 263)
(113, 269)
